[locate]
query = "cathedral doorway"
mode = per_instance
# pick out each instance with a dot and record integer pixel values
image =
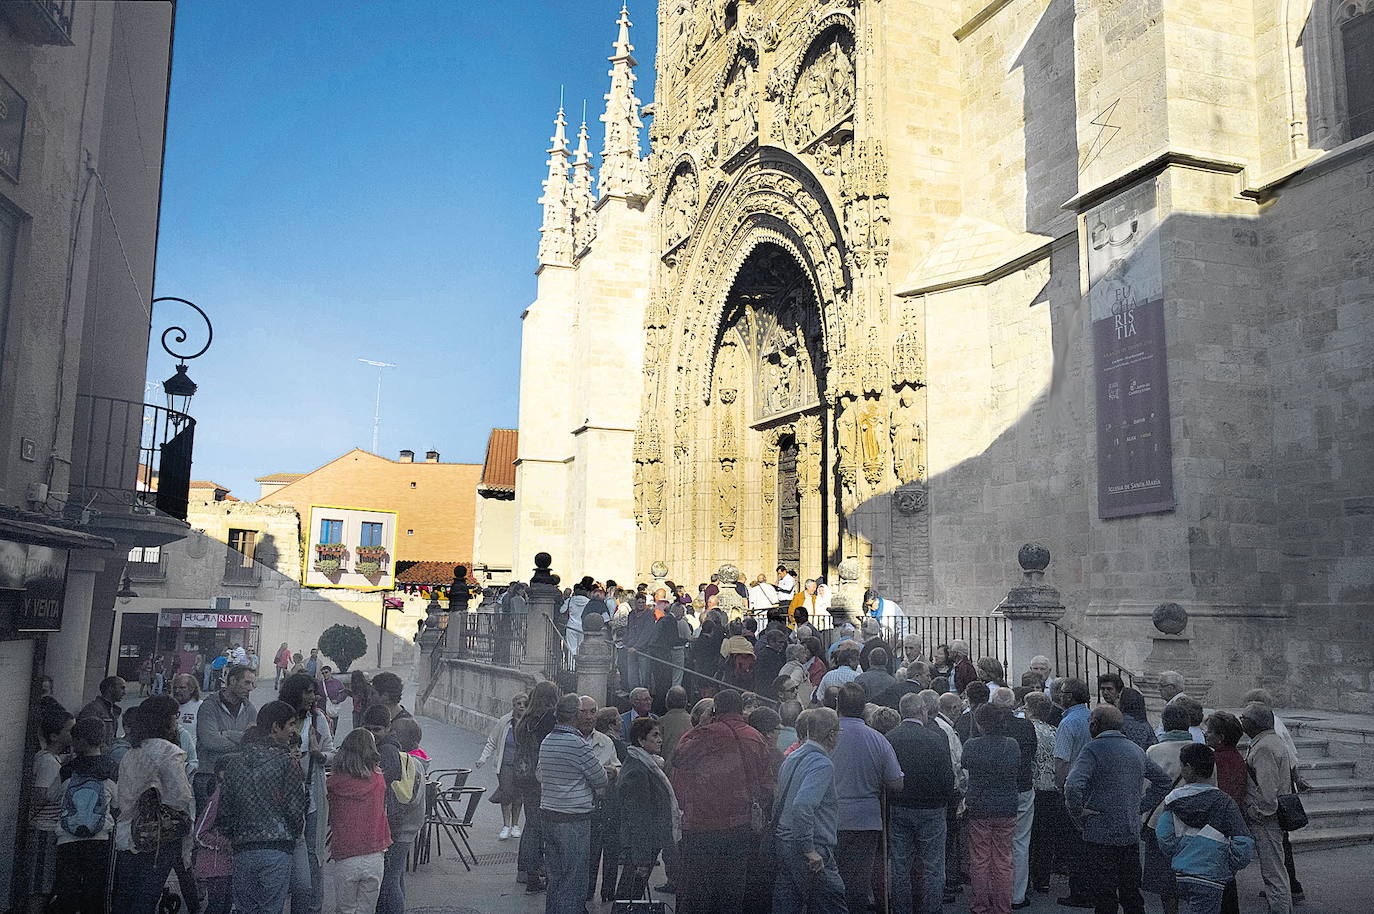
(765, 414)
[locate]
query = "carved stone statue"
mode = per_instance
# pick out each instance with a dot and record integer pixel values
(727, 497)
(825, 89)
(908, 440)
(872, 442)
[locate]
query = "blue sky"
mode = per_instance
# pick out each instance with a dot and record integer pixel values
(359, 180)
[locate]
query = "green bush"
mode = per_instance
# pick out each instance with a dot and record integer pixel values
(369, 569)
(343, 644)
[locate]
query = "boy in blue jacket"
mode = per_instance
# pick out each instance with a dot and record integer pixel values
(1203, 832)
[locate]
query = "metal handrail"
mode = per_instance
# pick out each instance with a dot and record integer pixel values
(1075, 659)
(694, 674)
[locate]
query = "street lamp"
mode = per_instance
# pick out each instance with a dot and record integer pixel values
(126, 590)
(179, 388)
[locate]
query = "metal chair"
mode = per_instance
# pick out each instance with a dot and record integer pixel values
(442, 820)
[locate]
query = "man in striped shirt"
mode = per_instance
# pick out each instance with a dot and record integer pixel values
(570, 777)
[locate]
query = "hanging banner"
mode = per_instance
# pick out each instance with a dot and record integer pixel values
(1126, 298)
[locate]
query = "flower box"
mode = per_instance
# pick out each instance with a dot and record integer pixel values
(371, 553)
(330, 550)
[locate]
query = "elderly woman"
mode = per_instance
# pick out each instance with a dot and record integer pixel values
(702, 711)
(501, 746)
(649, 817)
(990, 671)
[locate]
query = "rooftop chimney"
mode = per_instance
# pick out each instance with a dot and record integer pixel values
(431, 456)
(407, 456)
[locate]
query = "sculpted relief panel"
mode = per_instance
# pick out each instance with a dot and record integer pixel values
(680, 206)
(824, 93)
(739, 119)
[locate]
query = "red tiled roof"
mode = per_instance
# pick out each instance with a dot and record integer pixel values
(432, 572)
(207, 484)
(498, 470)
(279, 477)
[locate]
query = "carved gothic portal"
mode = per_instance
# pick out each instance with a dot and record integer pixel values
(765, 396)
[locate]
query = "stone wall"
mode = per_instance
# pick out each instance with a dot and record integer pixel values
(471, 695)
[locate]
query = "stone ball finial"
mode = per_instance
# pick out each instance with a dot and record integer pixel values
(543, 560)
(728, 574)
(849, 570)
(593, 623)
(1033, 557)
(659, 569)
(1169, 618)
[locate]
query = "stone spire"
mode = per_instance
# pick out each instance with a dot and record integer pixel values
(583, 196)
(556, 233)
(623, 172)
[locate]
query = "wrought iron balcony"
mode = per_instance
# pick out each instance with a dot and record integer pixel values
(40, 21)
(131, 456)
(247, 575)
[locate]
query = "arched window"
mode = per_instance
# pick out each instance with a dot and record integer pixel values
(1357, 49)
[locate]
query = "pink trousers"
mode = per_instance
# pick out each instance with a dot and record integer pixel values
(990, 864)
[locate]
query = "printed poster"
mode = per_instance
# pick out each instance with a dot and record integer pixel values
(1126, 299)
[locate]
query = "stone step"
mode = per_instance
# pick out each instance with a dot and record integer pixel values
(1326, 769)
(1310, 838)
(1341, 791)
(1332, 813)
(1310, 747)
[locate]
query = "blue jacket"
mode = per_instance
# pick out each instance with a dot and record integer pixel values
(1102, 791)
(809, 812)
(1203, 831)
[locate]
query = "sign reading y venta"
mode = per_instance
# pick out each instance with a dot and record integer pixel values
(1126, 295)
(45, 587)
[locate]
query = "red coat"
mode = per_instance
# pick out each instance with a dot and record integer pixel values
(719, 771)
(964, 673)
(357, 814)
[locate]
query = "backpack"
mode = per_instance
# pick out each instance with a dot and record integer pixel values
(85, 804)
(403, 788)
(155, 822)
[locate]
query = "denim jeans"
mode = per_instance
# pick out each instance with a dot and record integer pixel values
(139, 877)
(641, 671)
(261, 881)
(531, 850)
(392, 899)
(797, 890)
(856, 851)
(567, 846)
(1197, 897)
(713, 868)
(307, 877)
(1020, 845)
(917, 834)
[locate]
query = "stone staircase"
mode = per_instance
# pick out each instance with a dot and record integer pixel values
(1340, 805)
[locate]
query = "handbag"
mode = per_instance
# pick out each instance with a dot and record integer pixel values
(1291, 814)
(645, 905)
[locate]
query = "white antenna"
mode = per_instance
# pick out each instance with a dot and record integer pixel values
(377, 410)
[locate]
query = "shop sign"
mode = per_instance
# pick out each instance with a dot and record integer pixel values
(199, 620)
(177, 619)
(45, 587)
(235, 620)
(13, 558)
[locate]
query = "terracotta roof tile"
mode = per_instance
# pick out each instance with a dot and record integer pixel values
(498, 470)
(279, 477)
(432, 572)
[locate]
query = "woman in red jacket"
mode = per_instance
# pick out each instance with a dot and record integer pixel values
(357, 817)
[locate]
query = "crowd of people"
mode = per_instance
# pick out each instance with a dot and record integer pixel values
(241, 804)
(769, 772)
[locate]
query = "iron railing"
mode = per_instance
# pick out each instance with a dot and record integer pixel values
(1075, 660)
(556, 659)
(986, 635)
(436, 658)
(497, 638)
(131, 455)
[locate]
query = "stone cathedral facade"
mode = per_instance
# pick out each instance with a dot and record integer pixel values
(901, 285)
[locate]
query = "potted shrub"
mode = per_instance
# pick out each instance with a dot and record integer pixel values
(369, 568)
(343, 643)
(328, 566)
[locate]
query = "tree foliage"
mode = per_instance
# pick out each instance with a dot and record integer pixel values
(343, 644)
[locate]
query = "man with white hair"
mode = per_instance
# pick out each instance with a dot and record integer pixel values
(913, 649)
(1262, 696)
(962, 671)
(1270, 766)
(1171, 687)
(917, 811)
